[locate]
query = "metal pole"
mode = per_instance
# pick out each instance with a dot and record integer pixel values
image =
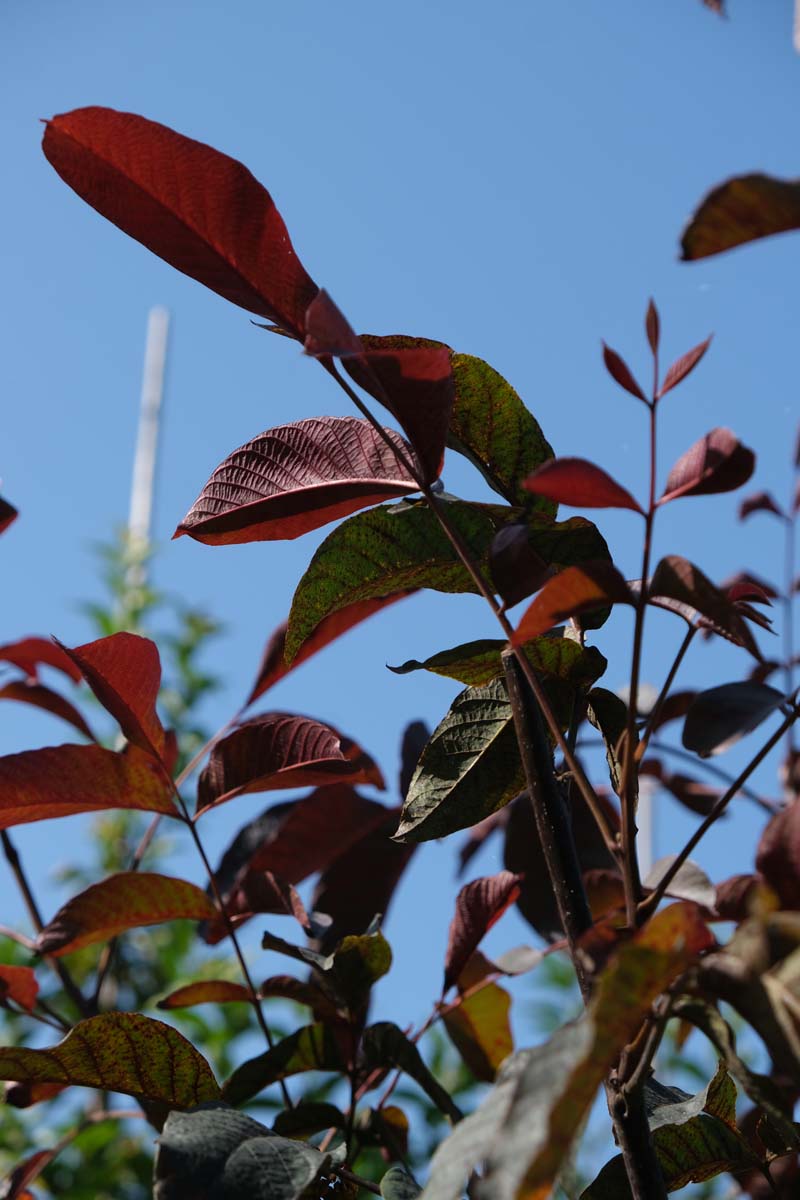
(144, 463)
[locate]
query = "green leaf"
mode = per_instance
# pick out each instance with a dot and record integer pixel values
(493, 429)
(480, 1030)
(566, 543)
(385, 550)
(311, 1048)
(397, 1184)
(384, 1045)
(469, 769)
(119, 1052)
(695, 1138)
(359, 961)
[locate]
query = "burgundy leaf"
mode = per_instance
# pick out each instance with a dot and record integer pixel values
(478, 906)
(274, 667)
(198, 209)
(652, 326)
(328, 332)
(25, 691)
(30, 653)
(619, 370)
(378, 864)
(60, 781)
(778, 855)
(735, 896)
(759, 502)
(697, 797)
(575, 590)
(720, 716)
(579, 483)
(266, 892)
(517, 570)
(796, 504)
(280, 750)
(718, 462)
(681, 587)
(8, 514)
(682, 367)
(758, 588)
(416, 736)
(295, 478)
(675, 706)
(762, 671)
(124, 672)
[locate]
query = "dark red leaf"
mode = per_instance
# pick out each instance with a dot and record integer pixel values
(33, 652)
(124, 672)
(682, 588)
(778, 855)
(796, 504)
(652, 326)
(19, 984)
(759, 502)
(275, 751)
(25, 691)
(198, 209)
(735, 896)
(740, 210)
(676, 705)
(273, 665)
(24, 1095)
(377, 863)
(575, 590)
(720, 716)
(758, 588)
(619, 370)
(295, 478)
(517, 570)
(60, 781)
(718, 462)
(682, 367)
(328, 332)
(265, 892)
(478, 906)
(205, 991)
(8, 514)
(579, 483)
(697, 797)
(416, 736)
(762, 671)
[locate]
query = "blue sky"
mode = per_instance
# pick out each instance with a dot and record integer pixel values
(512, 180)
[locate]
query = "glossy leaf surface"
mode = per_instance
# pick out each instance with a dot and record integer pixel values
(295, 478)
(124, 901)
(579, 483)
(718, 462)
(193, 206)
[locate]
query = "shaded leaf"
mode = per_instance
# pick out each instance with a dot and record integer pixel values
(311, 994)
(517, 569)
(279, 750)
(312, 1048)
(32, 652)
(60, 781)
(682, 367)
(8, 514)
(479, 1028)
(718, 462)
(681, 587)
(698, 797)
(295, 478)
(124, 901)
(198, 209)
(20, 985)
(479, 905)
(778, 855)
(469, 768)
(307, 1118)
(15, 1184)
(620, 372)
(580, 483)
(759, 502)
(741, 210)
(652, 326)
(25, 691)
(722, 715)
(690, 882)
(416, 736)
(609, 714)
(737, 896)
(25, 1095)
(575, 590)
(205, 991)
(478, 834)
(385, 1046)
(119, 1052)
(398, 1184)
(124, 672)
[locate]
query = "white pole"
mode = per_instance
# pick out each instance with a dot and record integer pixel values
(797, 25)
(144, 463)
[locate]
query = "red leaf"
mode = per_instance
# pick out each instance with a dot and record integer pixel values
(275, 751)
(682, 588)
(328, 332)
(478, 906)
(15, 1184)
(127, 900)
(759, 502)
(60, 781)
(205, 991)
(292, 840)
(718, 462)
(778, 855)
(25, 691)
(652, 326)
(32, 652)
(574, 590)
(682, 367)
(273, 665)
(619, 370)
(198, 209)
(24, 1095)
(579, 483)
(8, 514)
(19, 984)
(124, 672)
(295, 478)
(753, 588)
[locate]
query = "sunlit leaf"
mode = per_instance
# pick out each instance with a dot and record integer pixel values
(718, 462)
(576, 590)
(198, 209)
(25, 691)
(681, 587)
(579, 483)
(621, 373)
(18, 984)
(205, 991)
(30, 653)
(689, 883)
(480, 1030)
(682, 367)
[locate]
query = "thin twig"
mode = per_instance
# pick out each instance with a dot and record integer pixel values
(655, 711)
(770, 806)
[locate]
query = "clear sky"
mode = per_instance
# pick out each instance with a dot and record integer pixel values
(511, 179)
